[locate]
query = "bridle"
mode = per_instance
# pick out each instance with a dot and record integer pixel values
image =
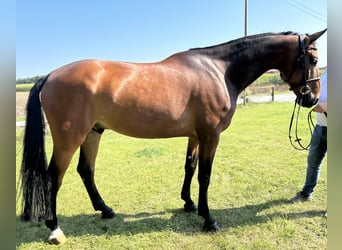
(304, 90)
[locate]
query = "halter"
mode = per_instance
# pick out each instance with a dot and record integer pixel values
(304, 90)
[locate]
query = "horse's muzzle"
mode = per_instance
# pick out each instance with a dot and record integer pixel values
(307, 101)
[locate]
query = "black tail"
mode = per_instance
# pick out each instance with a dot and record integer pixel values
(35, 182)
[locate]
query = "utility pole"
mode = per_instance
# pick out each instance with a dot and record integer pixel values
(246, 17)
(246, 29)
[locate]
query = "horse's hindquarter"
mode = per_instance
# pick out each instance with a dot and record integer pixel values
(67, 99)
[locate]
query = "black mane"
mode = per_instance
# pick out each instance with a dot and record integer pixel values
(245, 39)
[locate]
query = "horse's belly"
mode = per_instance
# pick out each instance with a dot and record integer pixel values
(145, 130)
(150, 124)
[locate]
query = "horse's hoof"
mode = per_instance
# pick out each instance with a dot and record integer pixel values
(190, 207)
(212, 227)
(108, 214)
(57, 237)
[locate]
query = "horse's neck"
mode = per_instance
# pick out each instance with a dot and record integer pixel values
(246, 61)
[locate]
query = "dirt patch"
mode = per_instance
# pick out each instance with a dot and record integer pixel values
(20, 105)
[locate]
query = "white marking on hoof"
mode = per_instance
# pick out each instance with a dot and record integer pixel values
(57, 237)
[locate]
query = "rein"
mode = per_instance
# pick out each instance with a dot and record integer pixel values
(297, 140)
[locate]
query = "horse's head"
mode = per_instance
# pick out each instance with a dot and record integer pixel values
(303, 78)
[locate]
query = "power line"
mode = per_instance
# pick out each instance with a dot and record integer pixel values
(306, 9)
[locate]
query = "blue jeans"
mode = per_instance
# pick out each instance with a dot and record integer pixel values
(317, 151)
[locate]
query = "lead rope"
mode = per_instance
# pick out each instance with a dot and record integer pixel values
(311, 125)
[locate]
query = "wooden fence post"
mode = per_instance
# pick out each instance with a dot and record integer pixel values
(273, 93)
(244, 96)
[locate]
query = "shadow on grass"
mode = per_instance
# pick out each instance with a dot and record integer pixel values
(175, 220)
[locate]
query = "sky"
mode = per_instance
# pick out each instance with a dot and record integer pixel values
(50, 34)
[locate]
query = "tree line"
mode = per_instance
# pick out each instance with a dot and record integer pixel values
(26, 80)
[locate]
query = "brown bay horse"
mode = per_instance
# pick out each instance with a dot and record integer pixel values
(190, 94)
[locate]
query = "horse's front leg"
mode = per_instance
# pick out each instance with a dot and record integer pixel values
(207, 148)
(190, 167)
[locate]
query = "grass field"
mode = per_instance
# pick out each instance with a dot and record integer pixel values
(255, 172)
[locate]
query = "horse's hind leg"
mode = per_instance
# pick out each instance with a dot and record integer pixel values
(86, 169)
(190, 167)
(58, 165)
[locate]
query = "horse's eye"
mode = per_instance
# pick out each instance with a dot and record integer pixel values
(313, 60)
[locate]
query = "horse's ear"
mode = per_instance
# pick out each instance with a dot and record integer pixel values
(313, 37)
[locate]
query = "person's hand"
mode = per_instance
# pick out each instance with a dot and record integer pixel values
(321, 107)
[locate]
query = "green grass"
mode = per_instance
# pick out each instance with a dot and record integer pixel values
(255, 172)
